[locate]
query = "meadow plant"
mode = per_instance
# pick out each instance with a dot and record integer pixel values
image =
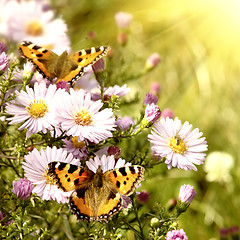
(43, 122)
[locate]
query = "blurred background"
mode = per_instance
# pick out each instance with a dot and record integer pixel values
(198, 42)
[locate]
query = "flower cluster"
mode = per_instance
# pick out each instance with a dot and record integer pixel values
(80, 125)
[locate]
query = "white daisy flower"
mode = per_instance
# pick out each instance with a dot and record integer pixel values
(36, 167)
(181, 146)
(35, 107)
(81, 117)
(28, 20)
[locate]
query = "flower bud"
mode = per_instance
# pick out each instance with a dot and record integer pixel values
(98, 66)
(234, 232)
(172, 202)
(3, 47)
(150, 98)
(223, 232)
(153, 61)
(143, 196)
(114, 150)
(167, 113)
(123, 19)
(124, 123)
(155, 223)
(155, 88)
(186, 194)
(4, 62)
(152, 113)
(122, 38)
(22, 188)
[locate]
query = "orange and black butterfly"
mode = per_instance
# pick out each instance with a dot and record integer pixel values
(64, 67)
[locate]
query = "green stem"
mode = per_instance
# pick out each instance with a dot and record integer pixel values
(138, 220)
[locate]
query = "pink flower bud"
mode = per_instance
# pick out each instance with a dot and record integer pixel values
(98, 66)
(114, 150)
(150, 98)
(143, 196)
(4, 61)
(152, 113)
(223, 232)
(155, 88)
(167, 113)
(3, 47)
(122, 38)
(186, 193)
(153, 61)
(123, 19)
(22, 188)
(124, 123)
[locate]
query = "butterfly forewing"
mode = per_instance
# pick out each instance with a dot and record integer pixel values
(67, 176)
(89, 56)
(42, 58)
(126, 179)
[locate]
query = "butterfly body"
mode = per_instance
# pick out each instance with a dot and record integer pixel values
(64, 67)
(96, 196)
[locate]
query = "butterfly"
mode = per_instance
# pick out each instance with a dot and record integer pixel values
(64, 67)
(96, 196)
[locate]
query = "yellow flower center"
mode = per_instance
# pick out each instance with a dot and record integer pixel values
(83, 118)
(48, 178)
(34, 28)
(177, 145)
(37, 108)
(78, 144)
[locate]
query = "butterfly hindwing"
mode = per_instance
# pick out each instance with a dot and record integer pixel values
(126, 179)
(67, 176)
(78, 205)
(42, 58)
(110, 206)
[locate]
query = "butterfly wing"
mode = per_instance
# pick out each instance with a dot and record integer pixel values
(43, 59)
(84, 58)
(80, 207)
(67, 176)
(126, 179)
(109, 207)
